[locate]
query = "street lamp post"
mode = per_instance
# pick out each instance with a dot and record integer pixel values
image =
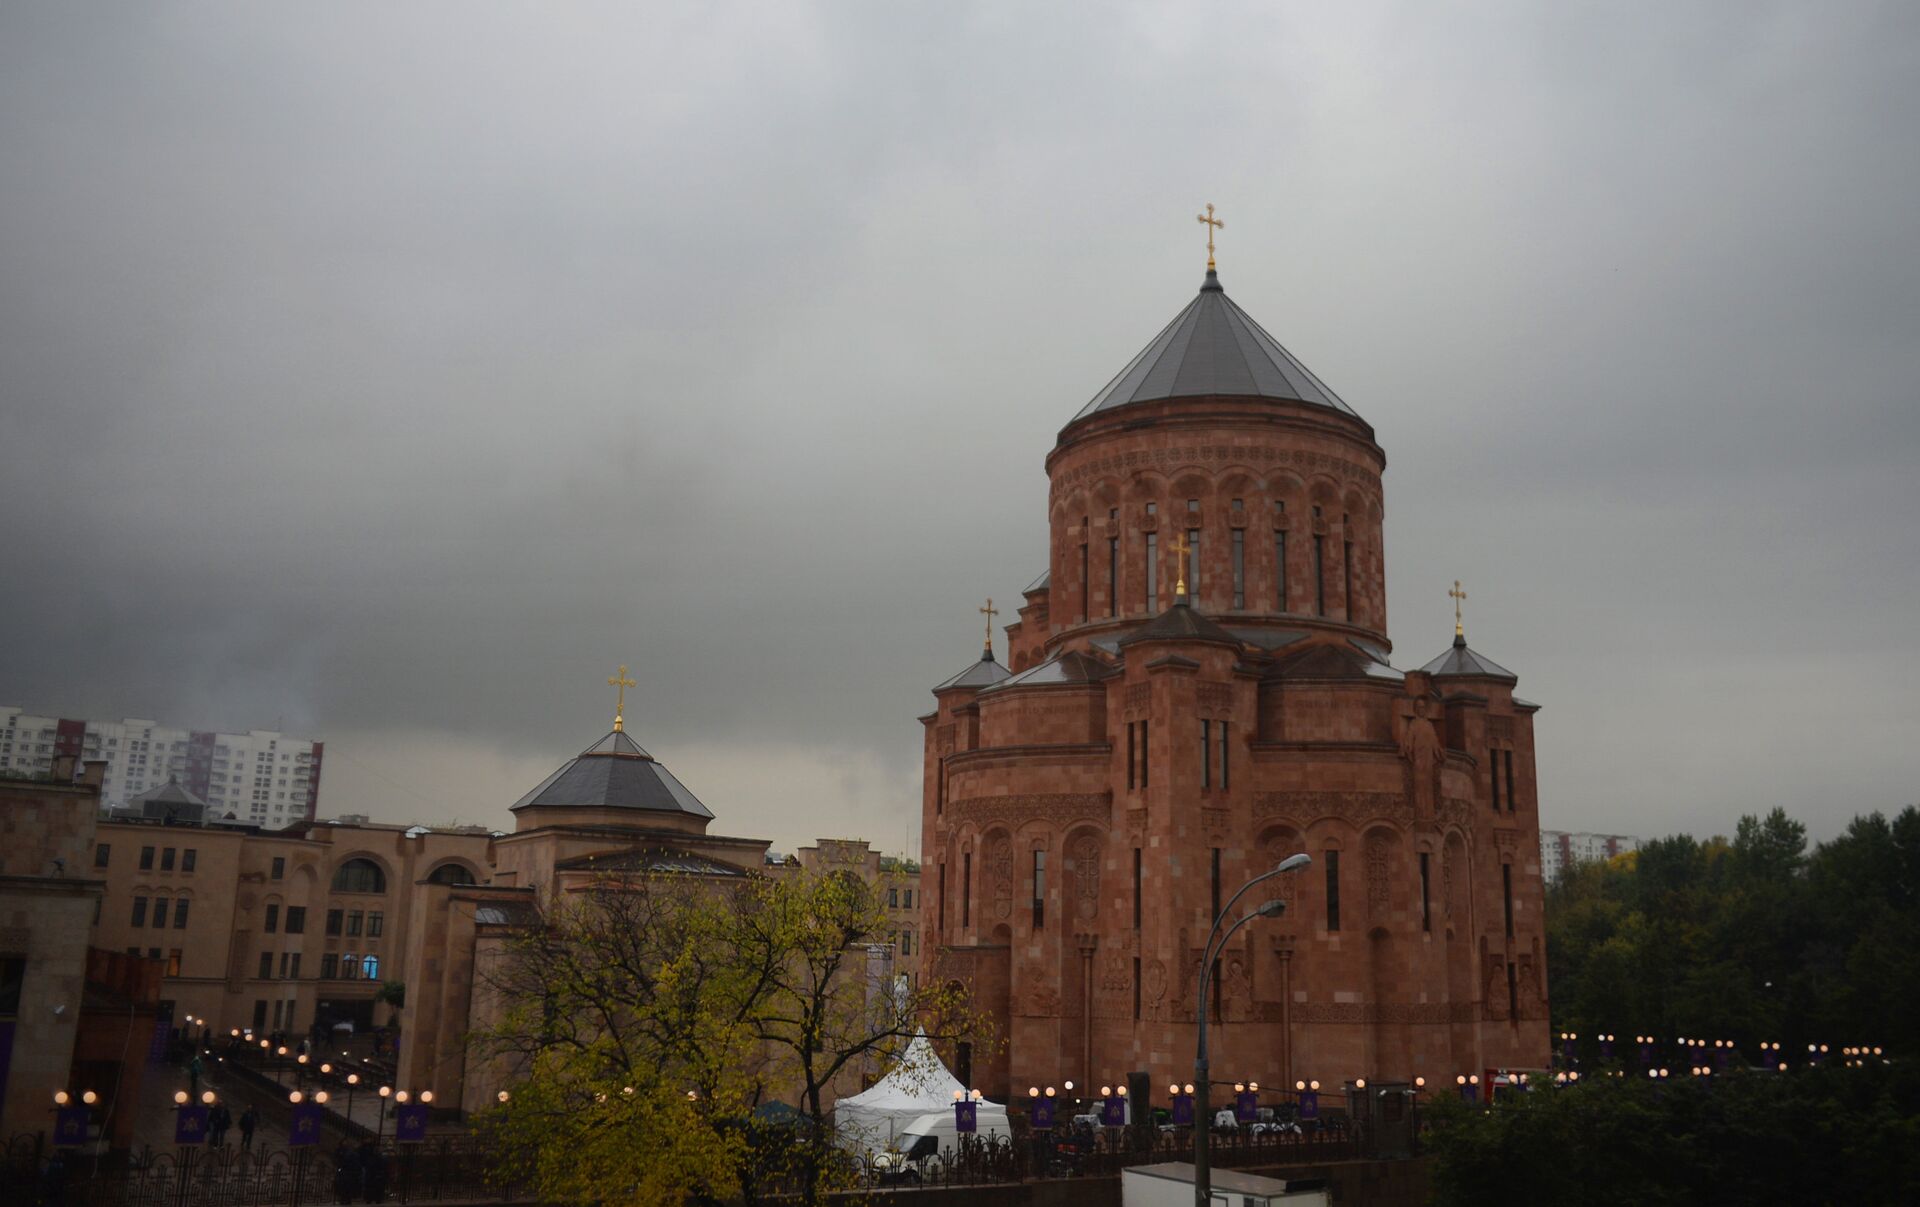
(1202, 1113)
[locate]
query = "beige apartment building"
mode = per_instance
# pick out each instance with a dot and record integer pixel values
(279, 931)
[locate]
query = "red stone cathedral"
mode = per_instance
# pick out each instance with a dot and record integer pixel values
(1199, 686)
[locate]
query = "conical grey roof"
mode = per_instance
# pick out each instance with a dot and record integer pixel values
(1462, 662)
(1214, 348)
(983, 673)
(613, 773)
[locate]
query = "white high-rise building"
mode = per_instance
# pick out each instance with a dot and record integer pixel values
(261, 777)
(1560, 850)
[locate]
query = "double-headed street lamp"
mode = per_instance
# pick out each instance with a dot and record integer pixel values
(1216, 941)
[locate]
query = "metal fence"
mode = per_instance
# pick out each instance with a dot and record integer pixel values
(32, 1173)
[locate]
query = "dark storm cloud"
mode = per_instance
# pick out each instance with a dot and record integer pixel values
(391, 372)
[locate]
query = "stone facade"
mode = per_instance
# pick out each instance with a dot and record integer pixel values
(1087, 814)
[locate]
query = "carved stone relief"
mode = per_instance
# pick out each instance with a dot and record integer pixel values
(1379, 885)
(1060, 808)
(1356, 808)
(1000, 875)
(1086, 878)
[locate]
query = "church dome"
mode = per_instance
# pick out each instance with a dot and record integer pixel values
(614, 774)
(1214, 348)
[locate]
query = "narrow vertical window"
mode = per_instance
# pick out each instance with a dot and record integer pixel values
(943, 898)
(1506, 893)
(1493, 770)
(1333, 890)
(940, 785)
(966, 889)
(1206, 755)
(1320, 576)
(273, 918)
(1426, 908)
(1144, 748)
(1132, 754)
(1346, 576)
(1223, 756)
(180, 914)
(1136, 987)
(139, 911)
(1279, 571)
(1039, 890)
(166, 860)
(1193, 563)
(1086, 575)
(1239, 568)
(1136, 888)
(1513, 798)
(1153, 572)
(1216, 882)
(160, 913)
(1113, 574)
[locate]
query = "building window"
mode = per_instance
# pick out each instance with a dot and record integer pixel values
(1239, 568)
(1206, 755)
(451, 873)
(1136, 888)
(166, 859)
(893, 898)
(1039, 890)
(329, 966)
(1086, 574)
(349, 965)
(1193, 563)
(966, 889)
(1493, 771)
(1346, 575)
(1333, 890)
(1320, 576)
(139, 911)
(1506, 894)
(296, 966)
(906, 898)
(1136, 987)
(100, 854)
(1143, 754)
(1223, 756)
(906, 942)
(1132, 754)
(1113, 573)
(353, 922)
(359, 876)
(188, 858)
(160, 913)
(296, 919)
(266, 965)
(272, 923)
(371, 966)
(146, 859)
(173, 961)
(1426, 908)
(286, 957)
(180, 914)
(334, 917)
(260, 1015)
(942, 906)
(279, 867)
(1280, 571)
(1513, 798)
(1153, 572)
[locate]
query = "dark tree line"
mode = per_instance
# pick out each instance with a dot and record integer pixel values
(1754, 939)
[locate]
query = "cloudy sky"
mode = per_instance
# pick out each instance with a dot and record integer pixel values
(388, 373)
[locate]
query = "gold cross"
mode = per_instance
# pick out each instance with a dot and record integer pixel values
(1181, 548)
(1212, 224)
(620, 681)
(990, 612)
(1457, 595)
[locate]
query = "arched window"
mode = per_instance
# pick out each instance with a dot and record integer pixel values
(450, 873)
(359, 876)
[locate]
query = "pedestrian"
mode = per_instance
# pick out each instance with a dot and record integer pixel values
(219, 1119)
(346, 1173)
(53, 1180)
(194, 1069)
(373, 1172)
(249, 1119)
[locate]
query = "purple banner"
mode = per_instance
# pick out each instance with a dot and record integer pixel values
(1113, 1111)
(1246, 1106)
(70, 1126)
(190, 1125)
(304, 1128)
(1183, 1109)
(410, 1122)
(1041, 1116)
(1309, 1104)
(1469, 1092)
(966, 1118)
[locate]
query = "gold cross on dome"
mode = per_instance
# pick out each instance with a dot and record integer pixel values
(1457, 595)
(990, 612)
(1180, 549)
(621, 682)
(1212, 224)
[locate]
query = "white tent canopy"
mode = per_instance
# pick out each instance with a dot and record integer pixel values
(919, 1084)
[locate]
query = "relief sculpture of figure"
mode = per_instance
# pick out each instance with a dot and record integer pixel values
(1420, 747)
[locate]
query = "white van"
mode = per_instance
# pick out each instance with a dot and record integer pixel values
(915, 1150)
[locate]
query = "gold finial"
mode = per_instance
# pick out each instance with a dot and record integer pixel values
(1181, 548)
(990, 612)
(620, 681)
(1212, 224)
(1457, 595)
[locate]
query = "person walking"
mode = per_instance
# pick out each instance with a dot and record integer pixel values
(346, 1173)
(194, 1069)
(249, 1119)
(373, 1172)
(219, 1119)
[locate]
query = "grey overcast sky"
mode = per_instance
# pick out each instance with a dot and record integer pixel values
(387, 373)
